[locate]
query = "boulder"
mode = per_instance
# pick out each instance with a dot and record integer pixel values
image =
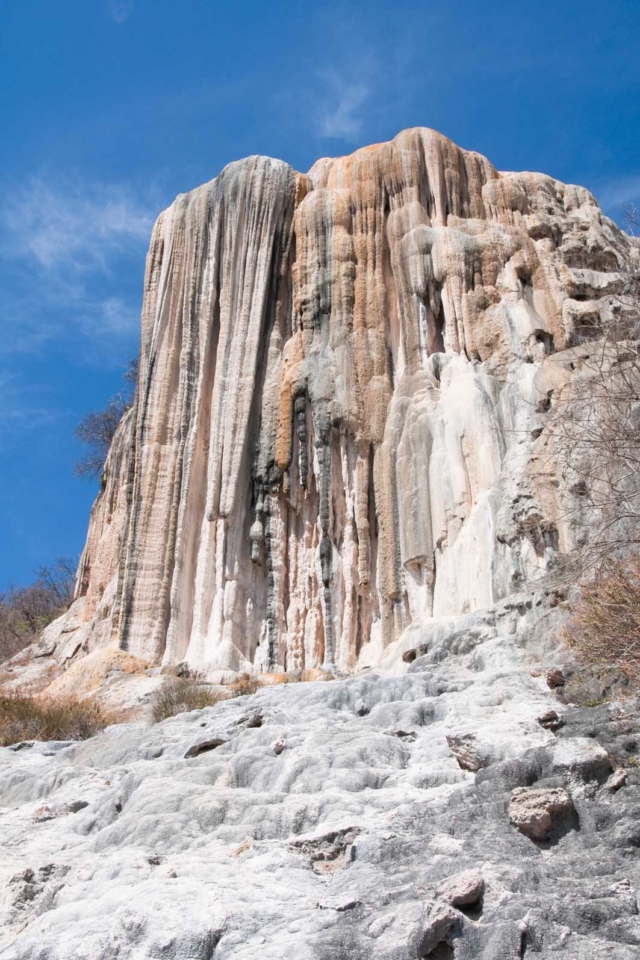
(581, 757)
(463, 890)
(533, 811)
(438, 922)
(555, 678)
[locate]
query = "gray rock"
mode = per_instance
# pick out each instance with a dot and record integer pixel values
(342, 847)
(582, 758)
(463, 890)
(439, 922)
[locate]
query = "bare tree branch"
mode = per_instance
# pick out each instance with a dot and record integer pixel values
(97, 428)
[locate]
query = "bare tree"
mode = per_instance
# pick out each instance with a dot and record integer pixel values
(97, 428)
(59, 580)
(26, 611)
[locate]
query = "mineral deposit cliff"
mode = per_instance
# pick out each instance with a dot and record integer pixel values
(341, 455)
(340, 419)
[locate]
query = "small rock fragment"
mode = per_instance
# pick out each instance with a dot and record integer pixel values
(551, 720)
(533, 811)
(555, 678)
(465, 750)
(621, 887)
(617, 779)
(462, 890)
(407, 736)
(327, 852)
(279, 745)
(203, 747)
(44, 813)
(244, 846)
(410, 655)
(340, 906)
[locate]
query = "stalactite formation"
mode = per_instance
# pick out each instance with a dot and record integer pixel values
(336, 411)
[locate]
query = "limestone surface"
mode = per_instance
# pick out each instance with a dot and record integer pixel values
(361, 839)
(339, 429)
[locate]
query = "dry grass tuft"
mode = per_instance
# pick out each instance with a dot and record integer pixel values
(294, 676)
(178, 695)
(245, 685)
(604, 629)
(31, 718)
(315, 674)
(181, 695)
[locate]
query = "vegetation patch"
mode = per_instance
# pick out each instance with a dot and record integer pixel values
(179, 695)
(604, 628)
(26, 611)
(33, 718)
(183, 694)
(245, 685)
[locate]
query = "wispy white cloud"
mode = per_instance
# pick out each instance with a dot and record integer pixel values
(64, 255)
(120, 10)
(342, 114)
(64, 226)
(366, 81)
(115, 318)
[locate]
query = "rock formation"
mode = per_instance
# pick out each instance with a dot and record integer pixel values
(339, 456)
(332, 820)
(342, 391)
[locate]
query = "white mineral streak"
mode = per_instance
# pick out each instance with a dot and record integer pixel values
(341, 396)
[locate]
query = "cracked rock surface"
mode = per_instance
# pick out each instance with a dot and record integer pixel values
(362, 839)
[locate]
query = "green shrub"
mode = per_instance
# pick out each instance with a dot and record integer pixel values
(178, 695)
(30, 718)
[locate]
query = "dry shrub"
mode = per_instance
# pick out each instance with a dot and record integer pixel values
(245, 685)
(179, 695)
(604, 629)
(312, 675)
(277, 679)
(26, 611)
(30, 718)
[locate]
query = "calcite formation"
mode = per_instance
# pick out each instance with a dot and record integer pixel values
(361, 839)
(343, 384)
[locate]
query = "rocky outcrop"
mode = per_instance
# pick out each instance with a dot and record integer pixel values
(361, 839)
(340, 413)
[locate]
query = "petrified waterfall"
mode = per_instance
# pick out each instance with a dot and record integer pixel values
(340, 407)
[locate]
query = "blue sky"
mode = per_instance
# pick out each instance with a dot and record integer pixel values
(112, 107)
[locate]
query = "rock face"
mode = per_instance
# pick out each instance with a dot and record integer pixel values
(342, 391)
(194, 839)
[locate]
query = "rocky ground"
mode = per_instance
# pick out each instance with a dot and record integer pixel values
(452, 805)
